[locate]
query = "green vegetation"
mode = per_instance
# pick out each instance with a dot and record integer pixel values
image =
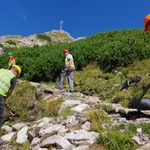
(11, 42)
(24, 101)
(103, 61)
(93, 81)
(106, 108)
(17, 146)
(91, 78)
(109, 50)
(110, 138)
(131, 128)
(44, 37)
(97, 119)
(2, 132)
(66, 112)
(114, 140)
(1, 45)
(25, 98)
(52, 107)
(146, 128)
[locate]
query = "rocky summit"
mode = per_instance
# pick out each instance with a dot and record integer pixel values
(35, 39)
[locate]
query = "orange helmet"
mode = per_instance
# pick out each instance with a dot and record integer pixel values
(146, 19)
(66, 51)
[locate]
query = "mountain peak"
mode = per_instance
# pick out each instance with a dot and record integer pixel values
(35, 39)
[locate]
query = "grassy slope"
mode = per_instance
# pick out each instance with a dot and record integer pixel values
(91, 81)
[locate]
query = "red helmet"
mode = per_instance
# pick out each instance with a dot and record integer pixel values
(66, 51)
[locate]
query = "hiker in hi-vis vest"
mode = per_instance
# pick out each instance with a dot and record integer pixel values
(8, 80)
(67, 72)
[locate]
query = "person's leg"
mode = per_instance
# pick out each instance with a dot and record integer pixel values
(70, 81)
(61, 79)
(2, 99)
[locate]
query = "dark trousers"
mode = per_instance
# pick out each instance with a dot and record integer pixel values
(2, 100)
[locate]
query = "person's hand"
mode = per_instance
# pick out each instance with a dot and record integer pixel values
(148, 74)
(68, 68)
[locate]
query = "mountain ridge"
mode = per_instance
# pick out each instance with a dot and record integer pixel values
(52, 36)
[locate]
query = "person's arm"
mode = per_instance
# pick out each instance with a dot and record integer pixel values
(12, 83)
(9, 93)
(70, 62)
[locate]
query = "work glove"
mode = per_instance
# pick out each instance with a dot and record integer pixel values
(148, 74)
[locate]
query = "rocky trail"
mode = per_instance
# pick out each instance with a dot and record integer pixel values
(74, 131)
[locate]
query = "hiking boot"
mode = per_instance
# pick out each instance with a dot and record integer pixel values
(71, 91)
(58, 88)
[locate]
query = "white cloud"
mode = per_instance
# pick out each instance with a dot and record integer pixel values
(19, 12)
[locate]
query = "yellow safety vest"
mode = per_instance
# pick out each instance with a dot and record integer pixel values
(67, 63)
(5, 78)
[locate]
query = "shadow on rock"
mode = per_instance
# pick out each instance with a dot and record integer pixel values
(134, 115)
(143, 104)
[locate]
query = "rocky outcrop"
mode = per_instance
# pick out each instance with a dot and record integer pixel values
(32, 40)
(47, 133)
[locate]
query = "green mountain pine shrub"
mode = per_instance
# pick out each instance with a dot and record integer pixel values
(109, 50)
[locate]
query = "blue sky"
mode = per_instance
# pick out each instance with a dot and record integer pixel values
(81, 17)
